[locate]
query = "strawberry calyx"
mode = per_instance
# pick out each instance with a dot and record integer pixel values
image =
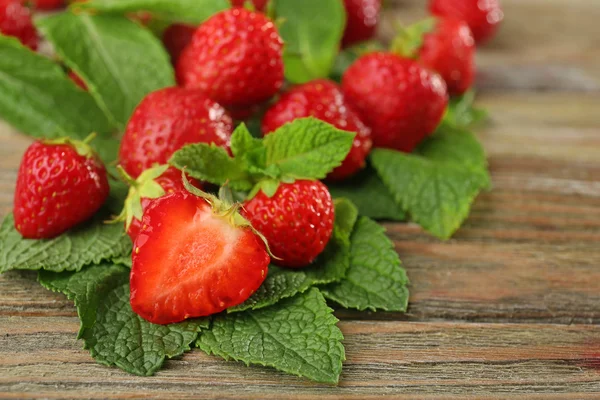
(82, 147)
(224, 207)
(410, 39)
(145, 186)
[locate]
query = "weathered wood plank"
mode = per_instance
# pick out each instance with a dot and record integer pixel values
(42, 358)
(542, 44)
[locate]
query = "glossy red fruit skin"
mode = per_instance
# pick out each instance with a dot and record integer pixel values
(450, 51)
(235, 58)
(297, 221)
(171, 182)
(324, 100)
(482, 16)
(176, 37)
(77, 80)
(15, 20)
(398, 98)
(56, 190)
(165, 121)
(189, 263)
(48, 5)
(260, 5)
(363, 17)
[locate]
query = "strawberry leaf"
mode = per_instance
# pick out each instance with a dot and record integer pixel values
(437, 184)
(37, 98)
(375, 279)
(369, 194)
(190, 11)
(89, 243)
(307, 148)
(298, 336)
(120, 61)
(329, 267)
(312, 39)
(86, 288)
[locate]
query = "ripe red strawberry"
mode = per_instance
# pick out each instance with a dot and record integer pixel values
(450, 51)
(399, 99)
(15, 20)
(176, 37)
(48, 4)
(60, 184)
(77, 80)
(260, 5)
(297, 221)
(324, 100)
(363, 17)
(165, 121)
(151, 184)
(235, 58)
(482, 16)
(192, 260)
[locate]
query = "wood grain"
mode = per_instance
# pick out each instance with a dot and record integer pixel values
(508, 308)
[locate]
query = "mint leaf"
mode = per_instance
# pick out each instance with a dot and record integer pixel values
(190, 11)
(123, 260)
(461, 113)
(369, 194)
(307, 148)
(375, 279)
(120, 61)
(37, 98)
(312, 32)
(212, 164)
(89, 243)
(329, 267)
(437, 195)
(86, 288)
(122, 338)
(298, 336)
(248, 150)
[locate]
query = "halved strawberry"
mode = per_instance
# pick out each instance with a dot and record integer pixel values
(194, 256)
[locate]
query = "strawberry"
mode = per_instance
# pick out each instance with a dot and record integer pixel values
(482, 16)
(151, 184)
(363, 17)
(399, 99)
(450, 51)
(194, 256)
(176, 37)
(15, 20)
(60, 184)
(48, 4)
(259, 5)
(235, 58)
(165, 121)
(297, 221)
(324, 100)
(77, 80)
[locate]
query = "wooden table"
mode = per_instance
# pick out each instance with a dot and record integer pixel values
(507, 308)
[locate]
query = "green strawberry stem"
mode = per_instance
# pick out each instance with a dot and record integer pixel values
(410, 39)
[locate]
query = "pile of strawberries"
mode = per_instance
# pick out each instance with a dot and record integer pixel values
(196, 254)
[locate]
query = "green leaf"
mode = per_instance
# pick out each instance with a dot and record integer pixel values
(122, 338)
(329, 267)
(86, 288)
(123, 260)
(312, 31)
(298, 336)
(37, 98)
(375, 279)
(89, 243)
(462, 114)
(120, 61)
(437, 195)
(249, 151)
(212, 164)
(347, 56)
(190, 11)
(307, 148)
(369, 194)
